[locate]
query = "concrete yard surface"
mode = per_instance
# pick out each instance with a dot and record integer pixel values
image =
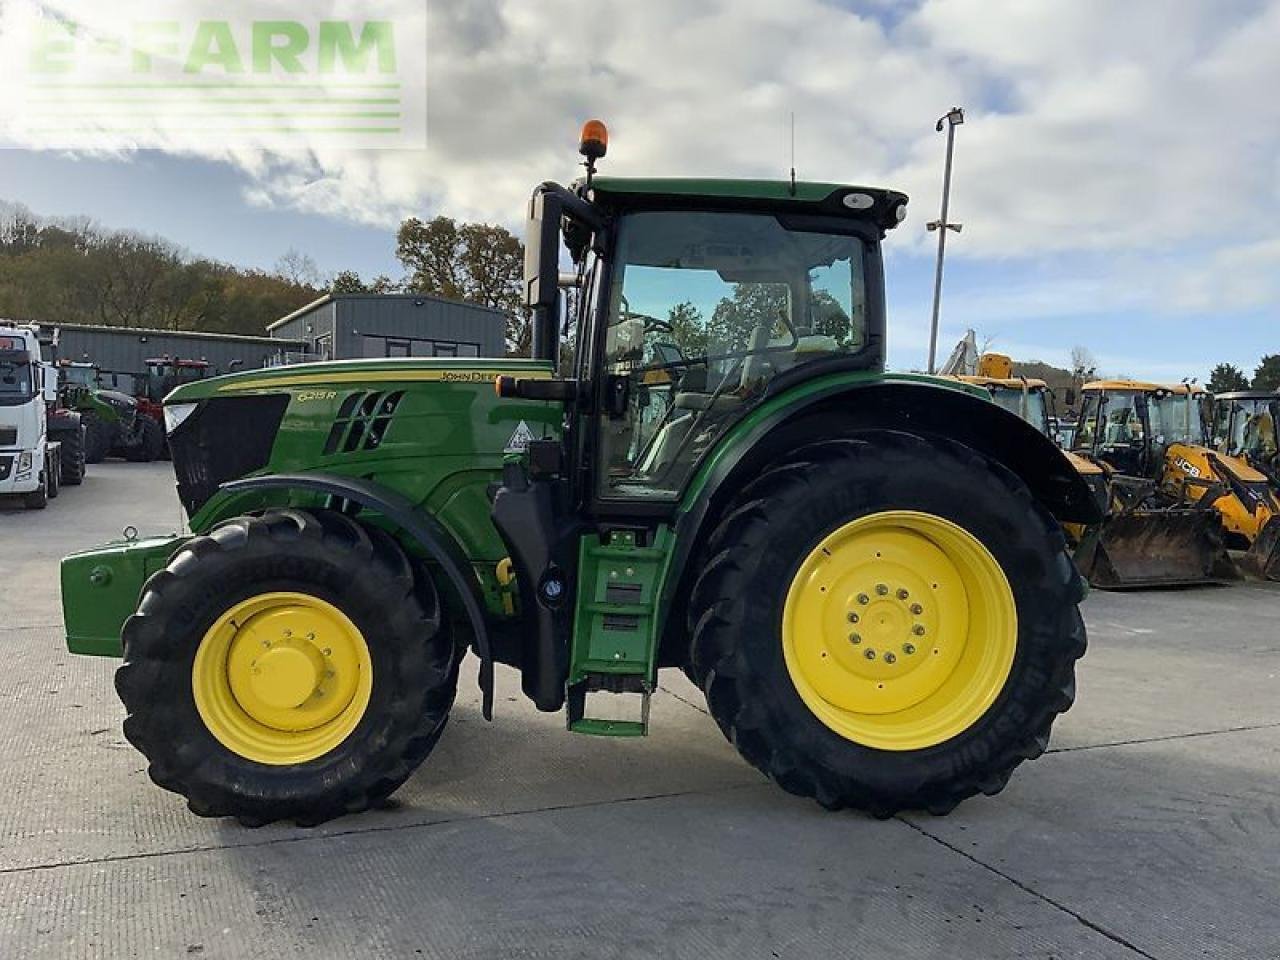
(1150, 830)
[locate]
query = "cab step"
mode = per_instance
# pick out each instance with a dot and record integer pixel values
(614, 646)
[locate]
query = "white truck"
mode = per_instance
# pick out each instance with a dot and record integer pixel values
(30, 463)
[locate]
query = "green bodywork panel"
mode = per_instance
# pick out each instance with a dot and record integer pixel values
(101, 588)
(84, 399)
(445, 444)
(851, 380)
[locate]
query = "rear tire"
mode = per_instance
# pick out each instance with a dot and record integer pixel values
(73, 456)
(756, 555)
(358, 570)
(150, 442)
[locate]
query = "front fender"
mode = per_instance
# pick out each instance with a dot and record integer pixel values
(419, 526)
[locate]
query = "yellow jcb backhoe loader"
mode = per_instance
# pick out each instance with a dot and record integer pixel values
(1153, 438)
(1241, 494)
(1029, 399)
(1246, 424)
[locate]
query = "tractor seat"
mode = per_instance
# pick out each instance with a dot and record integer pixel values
(690, 400)
(815, 343)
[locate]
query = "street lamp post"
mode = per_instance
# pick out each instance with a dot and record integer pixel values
(952, 119)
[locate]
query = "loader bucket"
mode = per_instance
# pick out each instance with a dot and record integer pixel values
(1150, 548)
(1262, 560)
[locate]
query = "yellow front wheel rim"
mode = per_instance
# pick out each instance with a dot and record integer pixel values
(899, 630)
(282, 678)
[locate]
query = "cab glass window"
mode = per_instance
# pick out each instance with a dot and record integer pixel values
(704, 310)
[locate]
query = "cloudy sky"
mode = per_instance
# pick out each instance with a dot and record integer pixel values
(1118, 176)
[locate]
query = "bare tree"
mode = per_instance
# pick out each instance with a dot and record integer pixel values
(1083, 365)
(299, 269)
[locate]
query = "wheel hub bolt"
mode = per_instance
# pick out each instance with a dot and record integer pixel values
(853, 618)
(908, 648)
(902, 594)
(863, 599)
(918, 630)
(890, 658)
(870, 654)
(917, 609)
(881, 589)
(855, 638)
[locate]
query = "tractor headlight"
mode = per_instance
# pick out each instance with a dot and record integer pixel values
(24, 461)
(175, 414)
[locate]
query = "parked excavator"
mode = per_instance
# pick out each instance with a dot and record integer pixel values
(1177, 505)
(1246, 424)
(1031, 399)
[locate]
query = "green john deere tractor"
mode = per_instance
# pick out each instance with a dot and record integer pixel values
(79, 389)
(115, 423)
(863, 572)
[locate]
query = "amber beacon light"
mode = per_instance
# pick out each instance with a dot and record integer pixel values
(594, 142)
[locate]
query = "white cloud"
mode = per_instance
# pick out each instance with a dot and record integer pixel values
(1147, 132)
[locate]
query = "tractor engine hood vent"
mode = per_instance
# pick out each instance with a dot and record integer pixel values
(362, 421)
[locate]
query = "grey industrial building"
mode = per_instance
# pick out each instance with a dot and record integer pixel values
(347, 325)
(334, 327)
(127, 349)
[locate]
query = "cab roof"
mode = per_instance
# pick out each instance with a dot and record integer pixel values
(1138, 385)
(1011, 383)
(833, 199)
(1249, 395)
(1143, 386)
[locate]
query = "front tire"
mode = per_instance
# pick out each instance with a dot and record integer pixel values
(98, 439)
(887, 622)
(37, 499)
(286, 666)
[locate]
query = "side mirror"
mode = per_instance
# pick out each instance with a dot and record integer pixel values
(542, 272)
(49, 384)
(542, 251)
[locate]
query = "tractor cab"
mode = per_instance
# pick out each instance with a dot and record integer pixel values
(165, 374)
(1247, 424)
(696, 300)
(1128, 425)
(78, 374)
(1028, 399)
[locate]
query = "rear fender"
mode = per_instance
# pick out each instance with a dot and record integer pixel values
(846, 403)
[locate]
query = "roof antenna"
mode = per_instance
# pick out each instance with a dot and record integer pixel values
(793, 153)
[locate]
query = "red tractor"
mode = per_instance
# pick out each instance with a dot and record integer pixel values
(164, 374)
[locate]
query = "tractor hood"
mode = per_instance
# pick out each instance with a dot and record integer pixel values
(120, 401)
(347, 372)
(415, 424)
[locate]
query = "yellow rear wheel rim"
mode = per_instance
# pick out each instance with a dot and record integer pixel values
(282, 678)
(899, 630)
